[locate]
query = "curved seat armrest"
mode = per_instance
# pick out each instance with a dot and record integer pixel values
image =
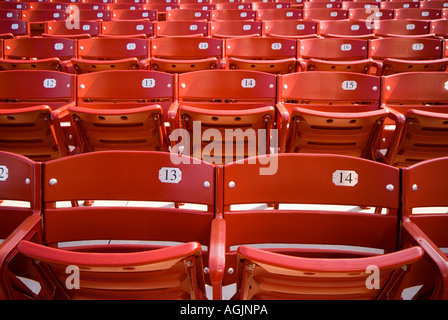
(25, 231)
(64, 134)
(400, 121)
(282, 126)
(173, 115)
(217, 258)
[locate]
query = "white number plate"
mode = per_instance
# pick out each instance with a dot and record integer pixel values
(148, 83)
(3, 173)
(170, 175)
(50, 83)
(248, 83)
(349, 85)
(345, 178)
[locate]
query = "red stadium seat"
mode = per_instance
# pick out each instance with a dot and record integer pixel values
(193, 1)
(223, 100)
(20, 181)
(48, 6)
(233, 14)
(37, 18)
(279, 14)
(361, 6)
(91, 14)
(439, 28)
(424, 223)
(182, 28)
(187, 14)
(20, 5)
(417, 14)
(142, 270)
(124, 6)
(336, 54)
(324, 264)
(87, 29)
(355, 134)
(98, 1)
(291, 29)
(344, 29)
(235, 28)
(105, 90)
(297, 4)
(402, 28)
(398, 4)
(198, 6)
(127, 14)
(322, 5)
(423, 138)
(13, 14)
(127, 28)
(27, 122)
(129, 115)
(415, 90)
(133, 2)
(325, 14)
(262, 5)
(161, 8)
(422, 98)
(439, 4)
(91, 6)
(233, 5)
(266, 54)
(183, 54)
(11, 28)
(329, 91)
(37, 54)
(111, 54)
(369, 13)
(407, 54)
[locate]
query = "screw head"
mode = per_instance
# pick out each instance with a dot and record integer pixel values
(390, 187)
(53, 182)
(207, 184)
(231, 184)
(414, 187)
(27, 181)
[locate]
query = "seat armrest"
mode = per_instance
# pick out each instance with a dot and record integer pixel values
(9, 249)
(282, 126)
(432, 254)
(217, 257)
(65, 134)
(400, 121)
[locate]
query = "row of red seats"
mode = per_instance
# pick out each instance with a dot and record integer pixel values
(382, 56)
(312, 112)
(44, 11)
(312, 11)
(214, 247)
(296, 3)
(293, 29)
